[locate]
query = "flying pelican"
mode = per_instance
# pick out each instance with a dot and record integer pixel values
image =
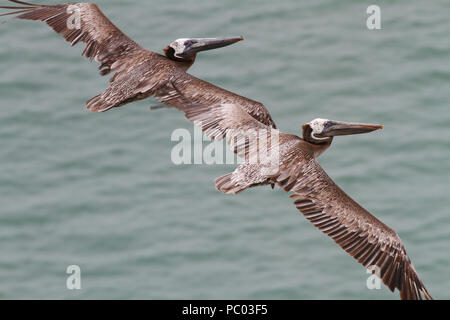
(295, 169)
(139, 73)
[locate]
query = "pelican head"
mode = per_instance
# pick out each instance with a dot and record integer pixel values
(323, 130)
(187, 48)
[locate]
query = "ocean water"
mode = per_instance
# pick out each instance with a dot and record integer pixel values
(100, 191)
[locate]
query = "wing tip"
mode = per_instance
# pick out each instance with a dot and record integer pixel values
(98, 104)
(411, 287)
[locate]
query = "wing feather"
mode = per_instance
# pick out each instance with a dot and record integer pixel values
(104, 41)
(186, 90)
(372, 243)
(223, 120)
(106, 44)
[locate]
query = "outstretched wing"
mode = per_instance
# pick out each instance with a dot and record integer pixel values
(83, 22)
(185, 90)
(372, 243)
(231, 121)
(137, 73)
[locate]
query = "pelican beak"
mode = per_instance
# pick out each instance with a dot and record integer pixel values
(338, 128)
(203, 44)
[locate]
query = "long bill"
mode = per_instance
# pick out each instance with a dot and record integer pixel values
(339, 128)
(203, 44)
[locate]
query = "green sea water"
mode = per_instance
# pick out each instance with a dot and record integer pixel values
(100, 191)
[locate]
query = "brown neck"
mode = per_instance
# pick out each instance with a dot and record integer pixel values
(184, 63)
(320, 145)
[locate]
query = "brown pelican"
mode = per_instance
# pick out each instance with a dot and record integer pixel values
(139, 73)
(295, 169)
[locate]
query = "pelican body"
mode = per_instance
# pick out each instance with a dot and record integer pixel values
(139, 73)
(294, 168)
